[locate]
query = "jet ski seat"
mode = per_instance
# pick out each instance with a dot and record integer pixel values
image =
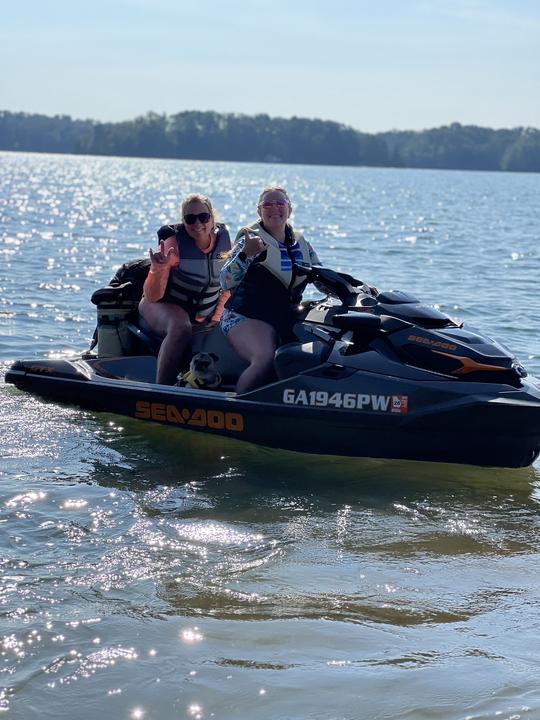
(152, 341)
(205, 339)
(294, 357)
(145, 335)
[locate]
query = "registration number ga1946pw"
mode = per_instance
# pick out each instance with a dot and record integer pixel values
(347, 401)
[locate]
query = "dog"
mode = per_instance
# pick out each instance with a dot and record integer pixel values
(202, 373)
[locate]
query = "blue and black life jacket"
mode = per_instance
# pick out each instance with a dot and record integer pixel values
(272, 287)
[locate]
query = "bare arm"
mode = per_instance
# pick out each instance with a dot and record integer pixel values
(161, 263)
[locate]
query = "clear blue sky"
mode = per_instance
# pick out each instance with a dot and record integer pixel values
(372, 64)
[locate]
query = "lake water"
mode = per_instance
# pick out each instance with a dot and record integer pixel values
(147, 573)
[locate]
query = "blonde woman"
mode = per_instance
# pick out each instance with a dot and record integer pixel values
(183, 285)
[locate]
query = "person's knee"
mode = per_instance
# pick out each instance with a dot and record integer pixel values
(178, 323)
(263, 358)
(180, 329)
(145, 311)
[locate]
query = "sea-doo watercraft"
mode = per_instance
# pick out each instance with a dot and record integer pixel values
(368, 376)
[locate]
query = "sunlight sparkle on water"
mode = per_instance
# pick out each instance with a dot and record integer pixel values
(383, 565)
(191, 635)
(216, 532)
(74, 504)
(25, 499)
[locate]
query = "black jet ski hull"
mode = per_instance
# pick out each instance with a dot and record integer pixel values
(395, 418)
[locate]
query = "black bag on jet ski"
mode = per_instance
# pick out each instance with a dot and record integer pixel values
(117, 304)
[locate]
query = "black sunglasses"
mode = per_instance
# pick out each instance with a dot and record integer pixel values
(191, 219)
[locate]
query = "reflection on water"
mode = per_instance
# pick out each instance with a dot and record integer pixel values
(248, 577)
(148, 572)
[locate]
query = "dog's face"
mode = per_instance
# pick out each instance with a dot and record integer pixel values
(203, 366)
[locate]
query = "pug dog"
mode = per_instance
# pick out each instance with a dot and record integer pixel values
(202, 373)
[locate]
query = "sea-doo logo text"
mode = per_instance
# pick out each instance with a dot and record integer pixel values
(213, 419)
(41, 369)
(347, 401)
(432, 343)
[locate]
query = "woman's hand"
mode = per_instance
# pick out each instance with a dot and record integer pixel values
(253, 245)
(162, 258)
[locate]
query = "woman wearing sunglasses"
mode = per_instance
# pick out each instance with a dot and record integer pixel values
(183, 285)
(262, 275)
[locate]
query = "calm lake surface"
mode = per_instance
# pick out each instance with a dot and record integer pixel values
(152, 574)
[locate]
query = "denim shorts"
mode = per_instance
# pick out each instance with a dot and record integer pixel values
(230, 319)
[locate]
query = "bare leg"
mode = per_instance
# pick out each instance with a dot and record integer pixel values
(255, 341)
(173, 324)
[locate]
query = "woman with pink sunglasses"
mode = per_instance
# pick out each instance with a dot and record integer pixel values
(182, 287)
(262, 274)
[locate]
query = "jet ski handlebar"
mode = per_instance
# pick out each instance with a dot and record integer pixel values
(340, 285)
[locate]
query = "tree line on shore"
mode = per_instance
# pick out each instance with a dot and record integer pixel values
(194, 135)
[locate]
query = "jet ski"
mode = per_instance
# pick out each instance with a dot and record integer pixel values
(367, 374)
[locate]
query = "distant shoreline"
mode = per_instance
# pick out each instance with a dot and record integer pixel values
(194, 135)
